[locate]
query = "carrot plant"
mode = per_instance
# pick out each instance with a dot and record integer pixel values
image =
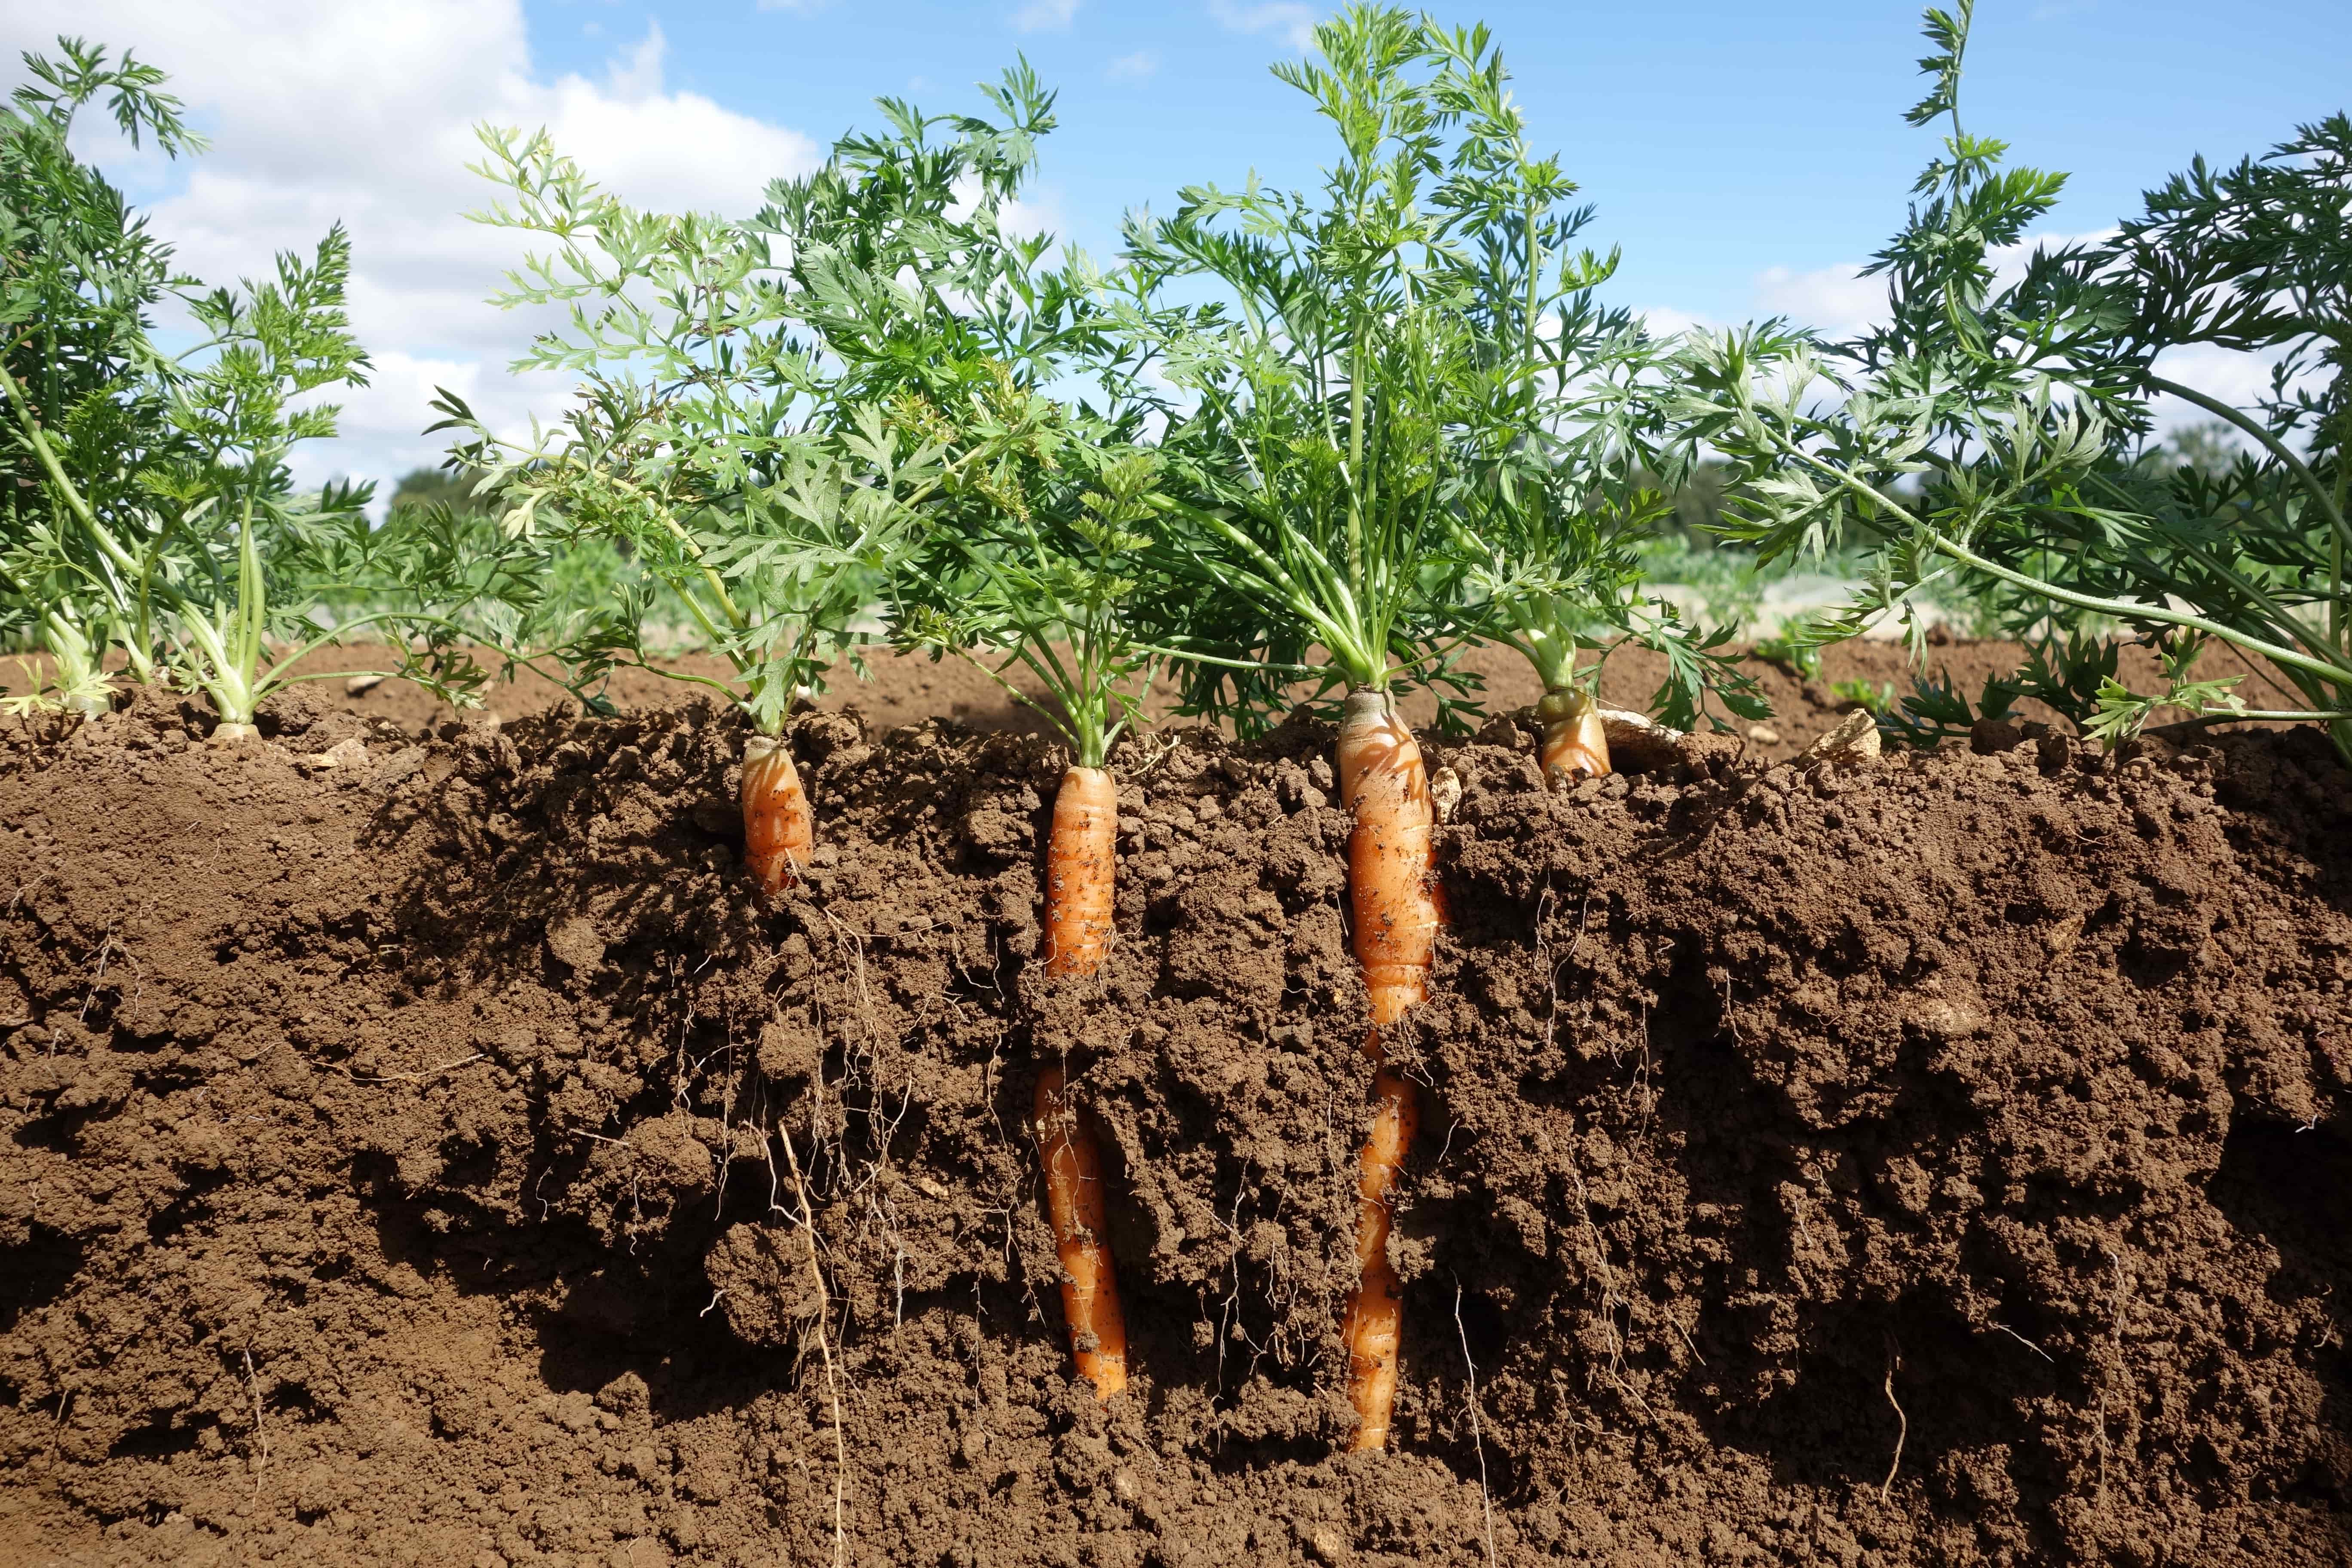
(1332, 382)
(1562, 431)
(268, 347)
(86, 396)
(1030, 562)
(707, 440)
(1029, 553)
(149, 505)
(1994, 433)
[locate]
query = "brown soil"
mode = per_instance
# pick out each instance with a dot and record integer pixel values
(1941, 1162)
(904, 688)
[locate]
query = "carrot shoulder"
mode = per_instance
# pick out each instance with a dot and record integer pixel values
(1398, 912)
(1574, 740)
(778, 829)
(1081, 866)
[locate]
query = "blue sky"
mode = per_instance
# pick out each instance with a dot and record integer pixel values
(1718, 140)
(1745, 156)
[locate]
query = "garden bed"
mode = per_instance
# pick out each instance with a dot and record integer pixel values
(1938, 1161)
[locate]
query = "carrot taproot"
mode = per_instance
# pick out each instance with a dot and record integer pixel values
(1073, 1196)
(778, 829)
(1398, 910)
(1390, 890)
(1575, 742)
(1375, 1320)
(1081, 871)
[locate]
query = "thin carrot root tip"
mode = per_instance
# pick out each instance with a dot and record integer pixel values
(1398, 910)
(1073, 1201)
(1374, 1325)
(1575, 741)
(778, 828)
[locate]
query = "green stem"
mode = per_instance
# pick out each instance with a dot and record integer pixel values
(253, 602)
(1182, 656)
(1356, 457)
(2286, 658)
(2277, 448)
(2124, 609)
(2262, 715)
(30, 424)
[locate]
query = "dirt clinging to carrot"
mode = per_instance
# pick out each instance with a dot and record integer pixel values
(394, 1167)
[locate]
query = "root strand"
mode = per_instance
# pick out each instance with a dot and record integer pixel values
(823, 1347)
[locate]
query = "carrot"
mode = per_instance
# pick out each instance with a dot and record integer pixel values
(1396, 903)
(1375, 1320)
(778, 830)
(1398, 910)
(1574, 740)
(1081, 867)
(1073, 1195)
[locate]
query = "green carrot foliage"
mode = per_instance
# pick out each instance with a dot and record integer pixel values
(1333, 378)
(1994, 433)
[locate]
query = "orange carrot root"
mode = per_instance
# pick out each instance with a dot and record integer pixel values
(1081, 875)
(1375, 1320)
(1397, 910)
(1574, 740)
(1081, 865)
(1396, 902)
(1073, 1195)
(778, 829)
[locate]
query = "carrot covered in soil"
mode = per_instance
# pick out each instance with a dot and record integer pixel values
(1398, 910)
(1073, 1195)
(1574, 740)
(778, 828)
(1081, 867)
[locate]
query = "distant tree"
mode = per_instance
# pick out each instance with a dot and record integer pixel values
(2209, 447)
(427, 487)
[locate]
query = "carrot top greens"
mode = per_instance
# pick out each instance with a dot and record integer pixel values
(1328, 436)
(1332, 379)
(1996, 434)
(145, 495)
(1007, 364)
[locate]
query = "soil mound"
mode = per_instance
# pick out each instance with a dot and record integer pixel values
(422, 1147)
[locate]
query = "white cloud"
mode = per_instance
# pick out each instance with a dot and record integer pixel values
(1837, 301)
(1840, 303)
(1046, 15)
(1293, 23)
(1665, 322)
(1137, 66)
(365, 114)
(2239, 379)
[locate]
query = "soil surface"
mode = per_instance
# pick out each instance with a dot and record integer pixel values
(902, 689)
(422, 1147)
